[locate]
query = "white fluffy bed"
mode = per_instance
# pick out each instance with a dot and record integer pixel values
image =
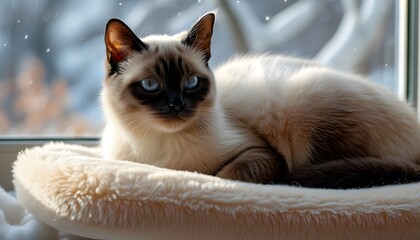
(72, 189)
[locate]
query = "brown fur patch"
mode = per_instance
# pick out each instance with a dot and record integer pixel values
(256, 165)
(355, 173)
(339, 134)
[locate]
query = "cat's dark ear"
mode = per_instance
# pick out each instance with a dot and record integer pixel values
(199, 37)
(121, 41)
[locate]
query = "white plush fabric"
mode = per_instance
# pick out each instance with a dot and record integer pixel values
(70, 188)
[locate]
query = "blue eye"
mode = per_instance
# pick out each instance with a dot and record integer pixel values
(191, 83)
(150, 85)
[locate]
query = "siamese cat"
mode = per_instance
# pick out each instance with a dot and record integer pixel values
(256, 118)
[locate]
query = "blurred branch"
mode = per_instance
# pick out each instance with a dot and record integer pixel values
(279, 29)
(360, 30)
(140, 12)
(184, 19)
(235, 26)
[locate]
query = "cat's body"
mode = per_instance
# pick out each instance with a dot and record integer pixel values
(311, 113)
(164, 107)
(333, 129)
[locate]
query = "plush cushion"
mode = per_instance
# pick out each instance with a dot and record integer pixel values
(73, 189)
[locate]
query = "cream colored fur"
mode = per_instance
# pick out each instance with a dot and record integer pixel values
(283, 99)
(203, 143)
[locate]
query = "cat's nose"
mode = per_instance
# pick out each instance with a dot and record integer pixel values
(176, 102)
(176, 107)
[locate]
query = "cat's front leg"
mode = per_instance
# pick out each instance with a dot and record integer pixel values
(256, 165)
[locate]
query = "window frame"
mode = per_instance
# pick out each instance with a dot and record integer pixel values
(407, 73)
(11, 146)
(412, 49)
(416, 64)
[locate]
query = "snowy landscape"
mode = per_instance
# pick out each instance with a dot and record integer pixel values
(53, 53)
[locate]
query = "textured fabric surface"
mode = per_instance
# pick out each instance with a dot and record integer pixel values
(71, 188)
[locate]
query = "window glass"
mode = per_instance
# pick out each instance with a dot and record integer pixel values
(52, 52)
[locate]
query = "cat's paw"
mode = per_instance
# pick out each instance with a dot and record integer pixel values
(256, 165)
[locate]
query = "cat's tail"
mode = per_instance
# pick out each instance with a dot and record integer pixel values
(355, 173)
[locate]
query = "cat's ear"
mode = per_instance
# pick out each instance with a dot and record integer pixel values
(199, 37)
(121, 41)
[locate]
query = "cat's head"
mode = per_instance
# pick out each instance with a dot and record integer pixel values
(159, 81)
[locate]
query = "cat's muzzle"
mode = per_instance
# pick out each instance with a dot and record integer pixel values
(176, 102)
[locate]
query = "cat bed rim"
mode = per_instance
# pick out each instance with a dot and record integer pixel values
(61, 198)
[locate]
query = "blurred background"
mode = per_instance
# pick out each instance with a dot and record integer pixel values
(52, 52)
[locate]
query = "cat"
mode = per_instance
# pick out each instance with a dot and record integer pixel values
(256, 118)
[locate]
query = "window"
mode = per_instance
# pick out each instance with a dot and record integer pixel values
(53, 53)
